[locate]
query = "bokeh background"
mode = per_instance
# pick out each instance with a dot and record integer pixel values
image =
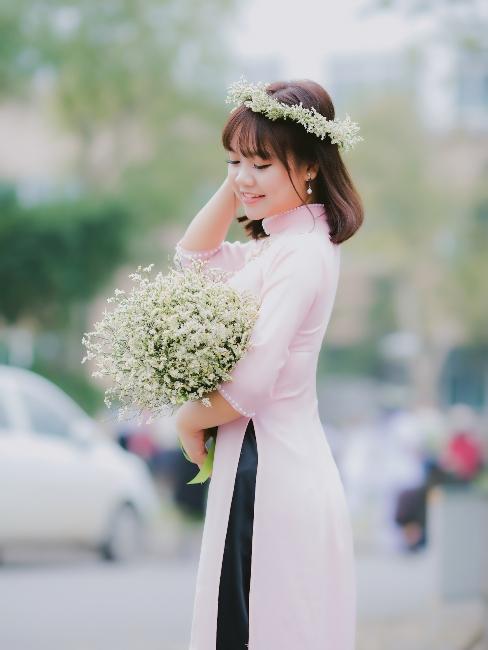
(110, 121)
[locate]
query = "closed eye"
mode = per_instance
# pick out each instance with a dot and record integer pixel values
(235, 162)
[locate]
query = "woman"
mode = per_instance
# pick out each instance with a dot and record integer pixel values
(276, 568)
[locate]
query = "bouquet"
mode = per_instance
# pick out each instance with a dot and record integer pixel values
(171, 339)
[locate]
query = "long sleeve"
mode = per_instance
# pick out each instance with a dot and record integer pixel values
(229, 256)
(290, 286)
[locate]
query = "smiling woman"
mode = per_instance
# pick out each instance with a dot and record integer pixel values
(276, 568)
(266, 188)
(278, 157)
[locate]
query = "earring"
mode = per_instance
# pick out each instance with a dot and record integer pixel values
(309, 189)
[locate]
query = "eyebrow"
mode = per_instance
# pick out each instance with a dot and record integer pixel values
(253, 156)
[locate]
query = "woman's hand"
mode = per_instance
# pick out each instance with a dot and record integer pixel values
(194, 445)
(196, 422)
(236, 196)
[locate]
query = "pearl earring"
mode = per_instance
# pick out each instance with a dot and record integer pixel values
(309, 189)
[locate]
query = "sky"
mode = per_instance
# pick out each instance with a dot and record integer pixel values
(303, 35)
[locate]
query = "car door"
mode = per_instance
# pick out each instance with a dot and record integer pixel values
(54, 478)
(9, 440)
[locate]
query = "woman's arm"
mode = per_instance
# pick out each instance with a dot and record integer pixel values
(207, 231)
(209, 227)
(204, 238)
(193, 416)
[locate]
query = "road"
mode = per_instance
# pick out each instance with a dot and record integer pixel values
(60, 600)
(80, 603)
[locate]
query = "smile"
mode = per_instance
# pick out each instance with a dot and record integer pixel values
(251, 198)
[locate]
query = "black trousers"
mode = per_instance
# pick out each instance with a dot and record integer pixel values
(233, 607)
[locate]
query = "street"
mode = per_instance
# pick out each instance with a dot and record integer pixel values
(70, 600)
(81, 603)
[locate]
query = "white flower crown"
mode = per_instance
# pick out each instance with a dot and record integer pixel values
(343, 133)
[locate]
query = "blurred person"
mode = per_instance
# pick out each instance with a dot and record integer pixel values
(458, 462)
(142, 444)
(138, 441)
(372, 494)
(463, 456)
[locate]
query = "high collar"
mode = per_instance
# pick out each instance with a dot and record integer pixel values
(297, 219)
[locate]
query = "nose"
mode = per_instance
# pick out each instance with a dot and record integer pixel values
(244, 177)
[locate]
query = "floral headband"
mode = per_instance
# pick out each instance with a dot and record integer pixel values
(343, 133)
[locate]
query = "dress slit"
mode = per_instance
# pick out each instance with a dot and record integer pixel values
(235, 577)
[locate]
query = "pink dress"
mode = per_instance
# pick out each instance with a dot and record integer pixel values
(302, 593)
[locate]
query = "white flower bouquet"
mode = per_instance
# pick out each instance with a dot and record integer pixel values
(171, 339)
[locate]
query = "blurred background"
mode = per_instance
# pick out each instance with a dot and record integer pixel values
(110, 121)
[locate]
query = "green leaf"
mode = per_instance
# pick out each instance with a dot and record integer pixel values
(183, 450)
(207, 466)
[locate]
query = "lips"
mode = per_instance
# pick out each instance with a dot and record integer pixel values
(249, 200)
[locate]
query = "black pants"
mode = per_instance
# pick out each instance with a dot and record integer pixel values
(233, 608)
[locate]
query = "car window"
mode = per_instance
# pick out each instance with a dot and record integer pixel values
(43, 416)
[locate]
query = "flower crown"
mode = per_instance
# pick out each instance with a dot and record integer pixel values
(254, 96)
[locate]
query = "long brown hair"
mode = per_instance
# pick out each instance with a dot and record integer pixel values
(257, 135)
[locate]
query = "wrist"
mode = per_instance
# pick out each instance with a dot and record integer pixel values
(227, 187)
(183, 423)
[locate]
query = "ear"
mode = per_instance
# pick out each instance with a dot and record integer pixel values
(313, 170)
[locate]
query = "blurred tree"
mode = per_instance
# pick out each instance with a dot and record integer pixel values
(15, 70)
(447, 285)
(461, 23)
(466, 282)
(411, 209)
(133, 82)
(54, 256)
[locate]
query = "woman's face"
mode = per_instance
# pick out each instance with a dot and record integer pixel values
(268, 179)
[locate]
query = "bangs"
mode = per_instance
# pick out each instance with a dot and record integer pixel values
(249, 133)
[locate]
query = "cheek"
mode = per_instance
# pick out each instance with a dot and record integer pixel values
(276, 181)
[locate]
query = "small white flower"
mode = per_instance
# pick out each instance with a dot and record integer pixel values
(343, 133)
(171, 339)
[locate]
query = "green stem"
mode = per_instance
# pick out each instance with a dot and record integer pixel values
(207, 466)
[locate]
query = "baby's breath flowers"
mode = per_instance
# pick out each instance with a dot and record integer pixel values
(344, 132)
(171, 339)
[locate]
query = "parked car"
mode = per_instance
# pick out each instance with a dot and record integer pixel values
(61, 479)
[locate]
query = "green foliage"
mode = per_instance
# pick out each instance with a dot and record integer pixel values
(57, 254)
(132, 83)
(412, 206)
(466, 281)
(357, 359)
(106, 57)
(382, 318)
(15, 67)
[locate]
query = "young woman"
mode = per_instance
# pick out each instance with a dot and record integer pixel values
(276, 568)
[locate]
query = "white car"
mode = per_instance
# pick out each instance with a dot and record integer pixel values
(61, 480)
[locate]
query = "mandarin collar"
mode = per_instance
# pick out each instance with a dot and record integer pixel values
(297, 219)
